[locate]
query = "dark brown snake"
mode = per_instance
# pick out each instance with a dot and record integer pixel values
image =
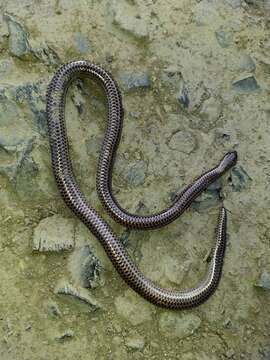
(75, 200)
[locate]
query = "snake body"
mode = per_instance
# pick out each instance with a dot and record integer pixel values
(75, 200)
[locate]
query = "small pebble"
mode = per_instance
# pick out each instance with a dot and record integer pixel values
(53, 310)
(224, 38)
(246, 84)
(65, 288)
(132, 80)
(28, 327)
(135, 343)
(18, 38)
(85, 267)
(264, 281)
(183, 98)
(66, 336)
(54, 233)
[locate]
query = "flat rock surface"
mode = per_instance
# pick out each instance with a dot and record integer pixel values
(54, 233)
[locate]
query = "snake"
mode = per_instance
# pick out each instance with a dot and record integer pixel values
(77, 202)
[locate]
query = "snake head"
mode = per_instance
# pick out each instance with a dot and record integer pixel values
(228, 161)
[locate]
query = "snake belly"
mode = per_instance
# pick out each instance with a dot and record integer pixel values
(75, 200)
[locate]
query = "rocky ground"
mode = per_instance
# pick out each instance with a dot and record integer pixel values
(195, 78)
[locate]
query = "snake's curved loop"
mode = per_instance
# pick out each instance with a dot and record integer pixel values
(109, 148)
(76, 201)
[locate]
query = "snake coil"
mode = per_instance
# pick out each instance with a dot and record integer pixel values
(75, 200)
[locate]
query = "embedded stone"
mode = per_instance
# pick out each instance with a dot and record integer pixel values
(54, 233)
(246, 84)
(18, 38)
(264, 281)
(132, 80)
(85, 267)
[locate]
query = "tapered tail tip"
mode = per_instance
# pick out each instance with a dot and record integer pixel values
(223, 210)
(223, 215)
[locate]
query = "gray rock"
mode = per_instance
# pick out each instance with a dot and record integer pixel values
(54, 233)
(246, 63)
(204, 13)
(240, 62)
(171, 77)
(13, 150)
(65, 336)
(224, 38)
(46, 54)
(183, 97)
(33, 95)
(227, 324)
(239, 178)
(133, 308)
(177, 325)
(137, 173)
(183, 141)
(18, 38)
(198, 95)
(82, 43)
(135, 343)
(85, 267)
(16, 161)
(132, 80)
(129, 18)
(65, 288)
(3, 30)
(264, 281)
(53, 310)
(16, 147)
(26, 175)
(9, 112)
(246, 84)
(209, 197)
(6, 66)
(28, 327)
(21, 47)
(233, 3)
